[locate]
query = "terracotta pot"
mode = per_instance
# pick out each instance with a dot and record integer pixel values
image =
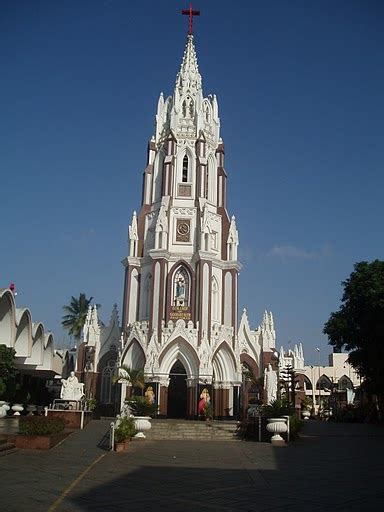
(119, 447)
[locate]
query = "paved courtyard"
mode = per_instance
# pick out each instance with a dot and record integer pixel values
(333, 467)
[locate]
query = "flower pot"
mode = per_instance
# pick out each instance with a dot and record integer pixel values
(142, 424)
(277, 426)
(126, 443)
(17, 409)
(120, 447)
(4, 408)
(31, 408)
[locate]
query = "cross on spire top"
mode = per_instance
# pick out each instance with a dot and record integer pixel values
(191, 13)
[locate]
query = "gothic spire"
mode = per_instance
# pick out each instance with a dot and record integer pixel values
(188, 79)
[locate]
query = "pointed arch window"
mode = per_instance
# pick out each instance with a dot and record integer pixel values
(184, 177)
(181, 287)
(188, 108)
(207, 112)
(106, 382)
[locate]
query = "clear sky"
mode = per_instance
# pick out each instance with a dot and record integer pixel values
(300, 87)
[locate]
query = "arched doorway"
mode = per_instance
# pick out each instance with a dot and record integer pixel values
(177, 391)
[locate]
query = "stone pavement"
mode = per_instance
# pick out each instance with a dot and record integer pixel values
(333, 467)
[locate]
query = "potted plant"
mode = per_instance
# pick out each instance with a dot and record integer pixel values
(128, 427)
(306, 406)
(142, 411)
(91, 404)
(277, 424)
(208, 414)
(119, 439)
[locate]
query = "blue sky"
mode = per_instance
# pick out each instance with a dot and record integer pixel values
(300, 89)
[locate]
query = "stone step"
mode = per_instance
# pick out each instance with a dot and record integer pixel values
(192, 430)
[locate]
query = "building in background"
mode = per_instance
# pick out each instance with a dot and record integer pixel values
(97, 359)
(329, 386)
(37, 360)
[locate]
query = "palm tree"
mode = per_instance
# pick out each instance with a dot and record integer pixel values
(76, 314)
(133, 376)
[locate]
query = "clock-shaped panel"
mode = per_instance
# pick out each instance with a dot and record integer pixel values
(183, 230)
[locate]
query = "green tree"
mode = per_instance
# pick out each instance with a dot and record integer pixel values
(76, 313)
(358, 326)
(8, 370)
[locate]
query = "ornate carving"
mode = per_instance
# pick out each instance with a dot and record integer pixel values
(183, 230)
(184, 211)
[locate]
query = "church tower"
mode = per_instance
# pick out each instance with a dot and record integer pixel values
(181, 271)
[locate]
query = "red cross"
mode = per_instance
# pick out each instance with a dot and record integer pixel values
(189, 12)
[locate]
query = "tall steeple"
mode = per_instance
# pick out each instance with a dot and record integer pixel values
(182, 270)
(188, 79)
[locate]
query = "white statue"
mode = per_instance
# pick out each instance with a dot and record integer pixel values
(270, 383)
(71, 388)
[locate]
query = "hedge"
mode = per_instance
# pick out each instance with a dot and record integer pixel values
(40, 425)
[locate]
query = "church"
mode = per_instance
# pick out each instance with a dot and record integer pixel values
(180, 304)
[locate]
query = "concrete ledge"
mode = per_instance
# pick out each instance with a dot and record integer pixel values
(37, 442)
(73, 419)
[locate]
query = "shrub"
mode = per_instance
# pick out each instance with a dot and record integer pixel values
(295, 425)
(91, 404)
(278, 408)
(125, 429)
(208, 412)
(40, 425)
(141, 407)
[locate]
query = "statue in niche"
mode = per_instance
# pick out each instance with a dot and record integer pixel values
(71, 388)
(181, 288)
(270, 384)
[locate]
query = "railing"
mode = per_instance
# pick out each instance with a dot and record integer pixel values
(112, 427)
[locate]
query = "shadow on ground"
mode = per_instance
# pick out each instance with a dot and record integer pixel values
(333, 472)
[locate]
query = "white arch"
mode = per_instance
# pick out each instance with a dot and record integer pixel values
(179, 167)
(23, 339)
(48, 353)
(7, 318)
(37, 353)
(134, 355)
(180, 350)
(224, 364)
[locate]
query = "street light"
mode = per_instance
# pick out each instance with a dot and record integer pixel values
(318, 360)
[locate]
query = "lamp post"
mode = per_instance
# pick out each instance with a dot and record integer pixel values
(318, 361)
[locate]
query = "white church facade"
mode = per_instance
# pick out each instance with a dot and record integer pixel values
(181, 273)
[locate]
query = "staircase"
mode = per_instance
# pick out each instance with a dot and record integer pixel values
(192, 430)
(5, 447)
